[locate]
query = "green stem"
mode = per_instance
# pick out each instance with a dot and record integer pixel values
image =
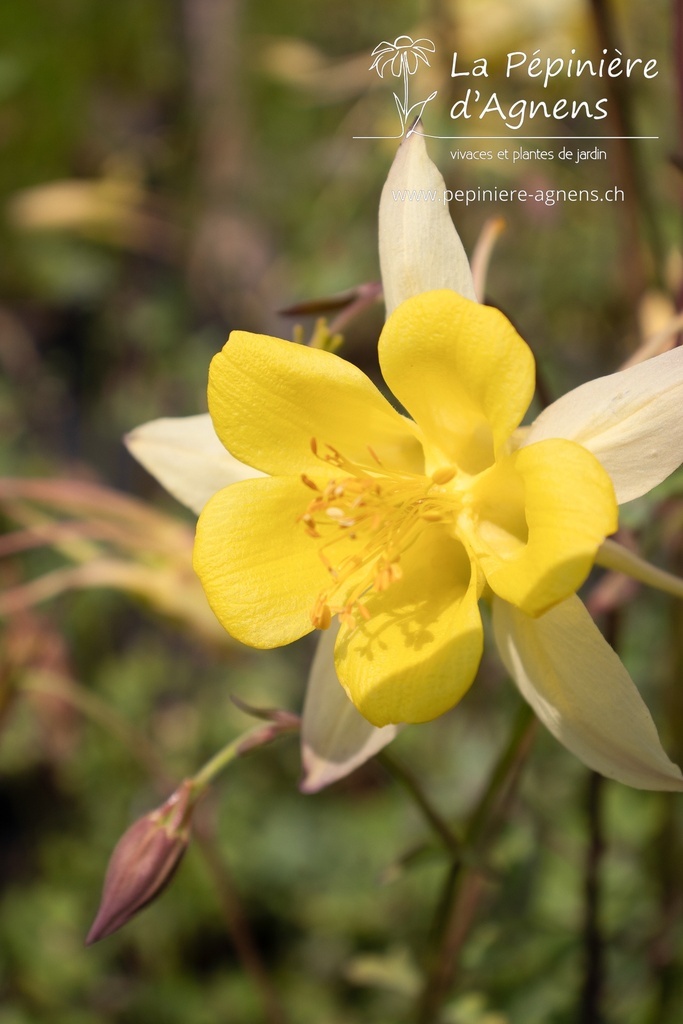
(412, 786)
(256, 737)
(504, 774)
(641, 210)
(618, 558)
(593, 943)
(230, 752)
(238, 922)
(463, 886)
(663, 954)
(97, 710)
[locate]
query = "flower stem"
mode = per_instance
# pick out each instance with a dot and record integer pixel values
(619, 559)
(663, 952)
(410, 783)
(238, 923)
(256, 737)
(464, 886)
(593, 980)
(96, 710)
(639, 211)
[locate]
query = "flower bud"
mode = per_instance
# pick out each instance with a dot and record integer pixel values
(143, 862)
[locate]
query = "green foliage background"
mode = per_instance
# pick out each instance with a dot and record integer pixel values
(234, 121)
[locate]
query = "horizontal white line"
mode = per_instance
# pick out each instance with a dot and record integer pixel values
(513, 138)
(548, 138)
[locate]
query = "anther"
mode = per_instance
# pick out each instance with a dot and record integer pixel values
(322, 617)
(309, 523)
(444, 474)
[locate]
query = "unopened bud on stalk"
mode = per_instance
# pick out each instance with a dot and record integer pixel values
(144, 861)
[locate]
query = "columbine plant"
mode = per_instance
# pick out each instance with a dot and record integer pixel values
(398, 527)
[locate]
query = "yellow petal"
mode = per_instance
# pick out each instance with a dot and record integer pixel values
(544, 512)
(462, 372)
(582, 693)
(260, 570)
(419, 248)
(186, 458)
(420, 650)
(630, 421)
(269, 397)
(335, 738)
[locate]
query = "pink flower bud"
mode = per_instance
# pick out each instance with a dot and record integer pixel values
(143, 862)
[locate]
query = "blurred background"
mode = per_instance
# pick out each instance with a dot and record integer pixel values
(170, 171)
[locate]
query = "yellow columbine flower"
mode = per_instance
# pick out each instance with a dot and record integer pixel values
(397, 526)
(447, 507)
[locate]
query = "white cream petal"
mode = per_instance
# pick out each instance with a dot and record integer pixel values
(335, 738)
(631, 421)
(186, 457)
(419, 248)
(582, 693)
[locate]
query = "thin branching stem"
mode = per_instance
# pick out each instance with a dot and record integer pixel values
(592, 990)
(237, 922)
(143, 750)
(593, 944)
(639, 207)
(465, 882)
(663, 952)
(413, 787)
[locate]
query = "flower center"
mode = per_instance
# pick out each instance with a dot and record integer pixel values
(366, 518)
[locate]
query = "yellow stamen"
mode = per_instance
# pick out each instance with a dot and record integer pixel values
(321, 616)
(444, 475)
(378, 510)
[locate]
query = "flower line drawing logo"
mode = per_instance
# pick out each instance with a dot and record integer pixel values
(402, 58)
